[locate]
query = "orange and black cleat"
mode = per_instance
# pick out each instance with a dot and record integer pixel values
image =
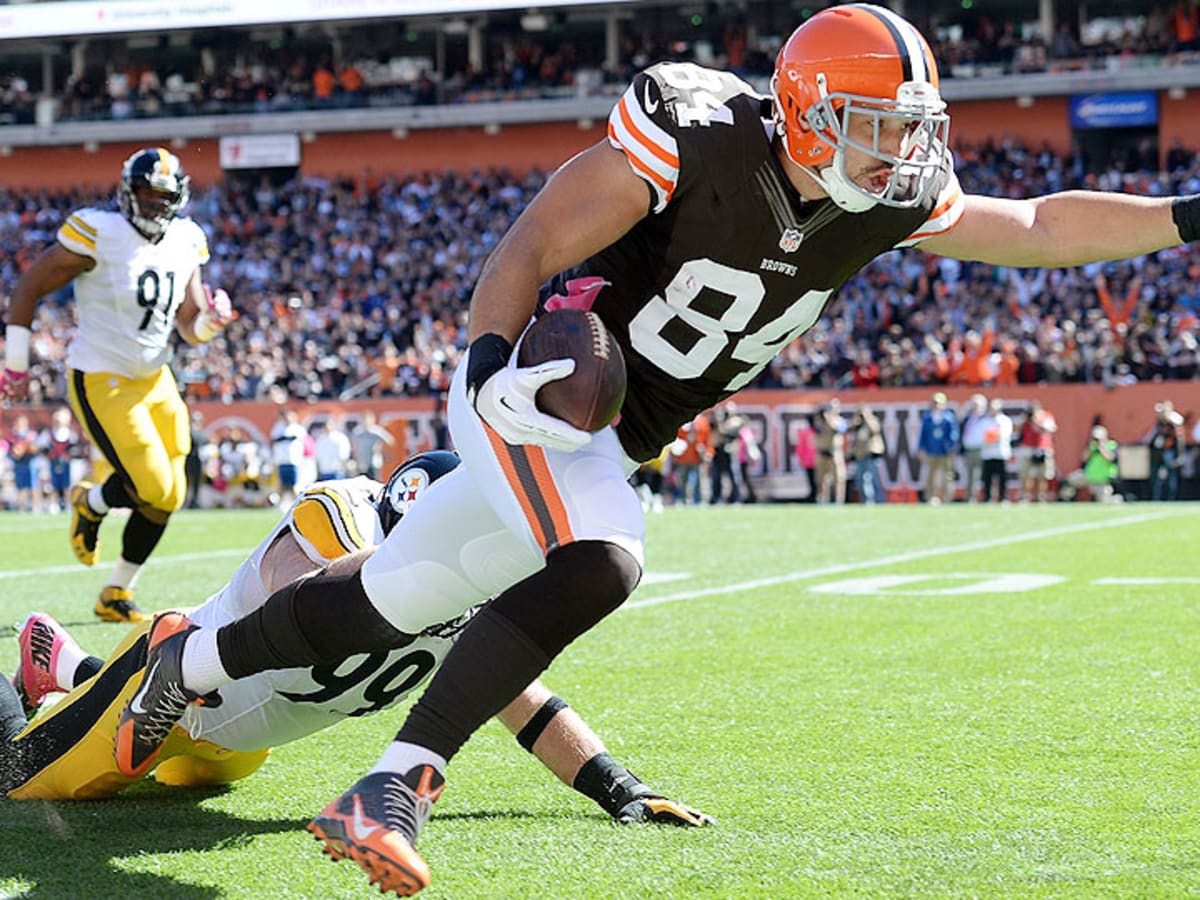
(376, 824)
(160, 699)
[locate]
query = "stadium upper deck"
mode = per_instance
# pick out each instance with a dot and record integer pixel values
(89, 71)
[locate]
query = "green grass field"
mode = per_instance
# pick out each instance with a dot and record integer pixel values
(874, 702)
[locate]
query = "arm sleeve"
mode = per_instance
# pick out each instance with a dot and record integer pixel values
(78, 234)
(323, 525)
(638, 127)
(947, 210)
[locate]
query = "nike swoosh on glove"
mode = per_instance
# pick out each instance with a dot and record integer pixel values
(662, 811)
(507, 402)
(14, 386)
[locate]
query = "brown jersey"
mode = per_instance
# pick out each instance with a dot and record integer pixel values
(731, 264)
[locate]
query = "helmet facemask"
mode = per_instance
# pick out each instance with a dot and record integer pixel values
(164, 193)
(918, 108)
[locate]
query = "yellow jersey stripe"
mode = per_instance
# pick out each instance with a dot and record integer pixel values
(323, 518)
(82, 225)
(69, 231)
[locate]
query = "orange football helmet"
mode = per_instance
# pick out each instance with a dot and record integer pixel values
(861, 60)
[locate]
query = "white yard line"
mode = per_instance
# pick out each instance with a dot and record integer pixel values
(895, 559)
(158, 562)
(1146, 581)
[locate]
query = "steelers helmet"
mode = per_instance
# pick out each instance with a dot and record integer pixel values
(169, 187)
(409, 480)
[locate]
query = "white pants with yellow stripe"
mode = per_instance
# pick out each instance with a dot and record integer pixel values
(491, 522)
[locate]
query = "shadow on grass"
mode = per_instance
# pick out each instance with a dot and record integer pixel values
(72, 849)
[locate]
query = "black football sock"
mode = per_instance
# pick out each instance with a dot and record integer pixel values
(116, 493)
(515, 638)
(141, 536)
(86, 670)
(321, 619)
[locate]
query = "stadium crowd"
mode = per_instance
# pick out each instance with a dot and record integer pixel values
(265, 77)
(359, 286)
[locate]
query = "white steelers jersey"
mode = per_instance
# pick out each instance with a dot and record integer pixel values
(127, 304)
(328, 520)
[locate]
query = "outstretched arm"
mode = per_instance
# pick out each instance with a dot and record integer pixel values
(1066, 229)
(556, 735)
(52, 270)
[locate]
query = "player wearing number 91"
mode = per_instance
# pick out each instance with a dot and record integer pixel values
(66, 753)
(136, 276)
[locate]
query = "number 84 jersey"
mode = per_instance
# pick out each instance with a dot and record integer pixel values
(731, 263)
(126, 304)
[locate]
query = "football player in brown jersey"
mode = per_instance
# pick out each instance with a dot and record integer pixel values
(708, 230)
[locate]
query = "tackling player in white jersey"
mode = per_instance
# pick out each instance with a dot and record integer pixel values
(67, 751)
(136, 277)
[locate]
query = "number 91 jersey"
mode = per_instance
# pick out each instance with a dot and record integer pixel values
(732, 263)
(126, 304)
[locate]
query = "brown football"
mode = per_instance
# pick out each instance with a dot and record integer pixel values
(590, 397)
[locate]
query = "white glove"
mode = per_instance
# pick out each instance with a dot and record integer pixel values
(213, 319)
(506, 402)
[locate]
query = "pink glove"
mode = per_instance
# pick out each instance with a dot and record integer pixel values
(213, 319)
(14, 386)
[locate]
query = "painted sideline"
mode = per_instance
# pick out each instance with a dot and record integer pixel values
(894, 559)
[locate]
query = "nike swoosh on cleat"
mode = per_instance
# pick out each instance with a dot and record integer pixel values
(135, 705)
(359, 829)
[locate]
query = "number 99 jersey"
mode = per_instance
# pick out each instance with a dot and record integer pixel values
(328, 520)
(126, 304)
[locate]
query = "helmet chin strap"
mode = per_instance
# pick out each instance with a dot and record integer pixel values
(841, 190)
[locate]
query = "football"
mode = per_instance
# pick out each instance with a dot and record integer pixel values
(590, 397)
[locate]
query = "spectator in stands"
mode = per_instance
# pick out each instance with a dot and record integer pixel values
(332, 449)
(996, 452)
(868, 449)
(1100, 465)
(62, 445)
(806, 455)
(367, 440)
(726, 423)
(288, 439)
(971, 431)
(830, 429)
(1167, 441)
(22, 453)
(1037, 452)
(936, 447)
(690, 452)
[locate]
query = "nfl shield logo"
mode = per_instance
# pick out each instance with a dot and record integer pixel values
(791, 240)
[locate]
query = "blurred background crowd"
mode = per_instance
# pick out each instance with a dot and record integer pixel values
(537, 55)
(359, 287)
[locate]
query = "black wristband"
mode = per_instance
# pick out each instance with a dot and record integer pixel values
(1185, 211)
(537, 723)
(609, 783)
(486, 356)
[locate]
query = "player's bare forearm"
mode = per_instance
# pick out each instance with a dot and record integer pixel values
(54, 269)
(1066, 229)
(585, 206)
(564, 745)
(195, 300)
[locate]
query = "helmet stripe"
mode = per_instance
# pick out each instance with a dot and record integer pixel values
(908, 42)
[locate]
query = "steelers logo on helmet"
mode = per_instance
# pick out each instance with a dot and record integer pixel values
(154, 189)
(409, 482)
